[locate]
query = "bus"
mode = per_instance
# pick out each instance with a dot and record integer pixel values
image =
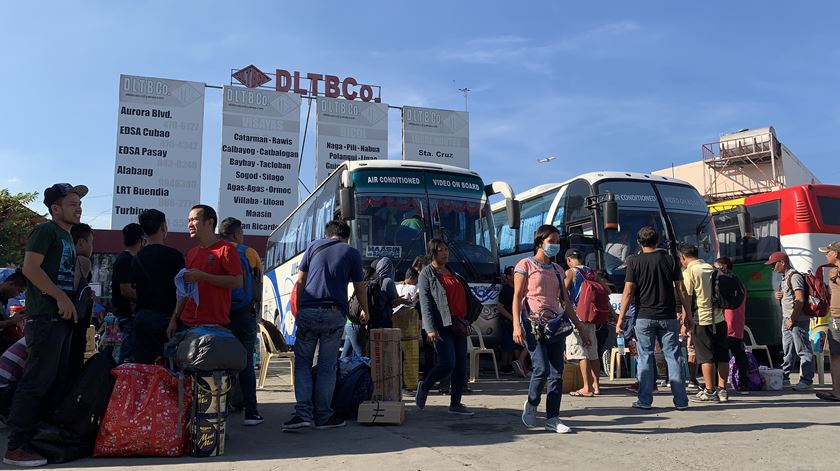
(394, 208)
(796, 220)
(579, 208)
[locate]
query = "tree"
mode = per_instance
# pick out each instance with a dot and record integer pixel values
(16, 220)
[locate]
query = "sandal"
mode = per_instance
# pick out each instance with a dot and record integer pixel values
(581, 394)
(827, 396)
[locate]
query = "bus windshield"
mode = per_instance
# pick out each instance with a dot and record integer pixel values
(690, 219)
(398, 212)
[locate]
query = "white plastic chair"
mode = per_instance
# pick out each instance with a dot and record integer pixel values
(475, 352)
(268, 351)
(754, 346)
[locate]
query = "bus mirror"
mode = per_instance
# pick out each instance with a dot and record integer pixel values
(610, 209)
(345, 202)
(744, 222)
(512, 207)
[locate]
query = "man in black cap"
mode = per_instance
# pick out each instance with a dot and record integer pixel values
(49, 264)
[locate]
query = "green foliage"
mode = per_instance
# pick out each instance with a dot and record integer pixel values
(16, 220)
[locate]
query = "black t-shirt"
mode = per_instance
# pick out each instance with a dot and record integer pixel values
(506, 299)
(153, 273)
(654, 275)
(120, 275)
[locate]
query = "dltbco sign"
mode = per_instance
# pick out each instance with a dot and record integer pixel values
(332, 86)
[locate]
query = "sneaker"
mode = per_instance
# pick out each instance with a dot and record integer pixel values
(333, 422)
(635, 387)
(252, 419)
(705, 396)
(23, 457)
(506, 371)
(529, 414)
(517, 368)
(685, 407)
(785, 382)
(803, 387)
(722, 395)
(555, 425)
(462, 410)
(740, 391)
(296, 423)
(639, 405)
(420, 396)
(692, 386)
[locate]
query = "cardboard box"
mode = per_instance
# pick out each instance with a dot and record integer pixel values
(572, 379)
(408, 321)
(386, 364)
(381, 412)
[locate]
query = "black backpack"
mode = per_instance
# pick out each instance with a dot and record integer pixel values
(379, 316)
(727, 290)
(81, 411)
(351, 390)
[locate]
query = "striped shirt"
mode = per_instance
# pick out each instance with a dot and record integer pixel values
(11, 363)
(542, 289)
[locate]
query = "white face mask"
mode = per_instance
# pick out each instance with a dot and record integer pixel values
(551, 250)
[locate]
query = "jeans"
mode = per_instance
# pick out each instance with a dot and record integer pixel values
(353, 338)
(149, 335)
(547, 360)
(127, 345)
(451, 362)
(736, 348)
(667, 332)
(243, 324)
(44, 375)
(316, 327)
(795, 343)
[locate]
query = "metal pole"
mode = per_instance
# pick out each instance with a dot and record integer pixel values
(300, 160)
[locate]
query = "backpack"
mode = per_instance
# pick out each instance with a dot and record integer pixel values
(727, 291)
(753, 380)
(82, 410)
(351, 390)
(242, 298)
(817, 294)
(593, 304)
(379, 315)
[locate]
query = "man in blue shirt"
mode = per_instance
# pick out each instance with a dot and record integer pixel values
(328, 265)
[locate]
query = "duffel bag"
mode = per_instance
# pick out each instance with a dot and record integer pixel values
(209, 348)
(147, 414)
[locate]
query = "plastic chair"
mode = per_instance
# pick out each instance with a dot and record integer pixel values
(475, 352)
(268, 351)
(820, 357)
(754, 346)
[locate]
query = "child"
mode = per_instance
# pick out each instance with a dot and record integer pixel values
(110, 336)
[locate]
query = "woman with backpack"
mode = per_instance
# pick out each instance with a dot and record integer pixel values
(355, 333)
(444, 303)
(539, 292)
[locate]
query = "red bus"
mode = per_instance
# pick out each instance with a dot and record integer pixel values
(796, 220)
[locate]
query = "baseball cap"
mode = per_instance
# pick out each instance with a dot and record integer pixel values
(574, 253)
(60, 190)
(835, 246)
(777, 257)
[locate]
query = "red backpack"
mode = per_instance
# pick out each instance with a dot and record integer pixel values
(817, 293)
(593, 304)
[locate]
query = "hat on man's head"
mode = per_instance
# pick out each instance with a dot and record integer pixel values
(60, 190)
(574, 253)
(835, 246)
(777, 257)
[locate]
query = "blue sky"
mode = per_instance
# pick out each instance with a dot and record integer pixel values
(604, 86)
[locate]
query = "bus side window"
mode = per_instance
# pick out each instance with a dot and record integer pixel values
(533, 214)
(765, 239)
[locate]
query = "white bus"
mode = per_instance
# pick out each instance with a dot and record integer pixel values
(394, 208)
(578, 208)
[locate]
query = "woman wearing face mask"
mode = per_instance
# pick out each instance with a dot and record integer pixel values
(539, 282)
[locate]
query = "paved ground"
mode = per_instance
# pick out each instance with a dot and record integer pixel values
(760, 431)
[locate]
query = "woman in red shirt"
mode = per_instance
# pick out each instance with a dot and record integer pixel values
(443, 298)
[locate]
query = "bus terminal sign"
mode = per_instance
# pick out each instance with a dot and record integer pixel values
(330, 86)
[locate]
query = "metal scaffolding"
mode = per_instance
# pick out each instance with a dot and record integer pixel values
(742, 164)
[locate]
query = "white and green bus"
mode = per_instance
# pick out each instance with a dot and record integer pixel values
(394, 208)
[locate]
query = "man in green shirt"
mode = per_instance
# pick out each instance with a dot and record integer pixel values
(49, 265)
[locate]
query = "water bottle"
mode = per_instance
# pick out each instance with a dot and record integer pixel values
(619, 340)
(819, 340)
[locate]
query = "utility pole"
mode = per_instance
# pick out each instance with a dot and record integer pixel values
(465, 91)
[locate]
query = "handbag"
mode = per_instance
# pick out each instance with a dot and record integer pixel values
(460, 327)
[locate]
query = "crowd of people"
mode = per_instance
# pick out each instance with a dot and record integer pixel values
(666, 304)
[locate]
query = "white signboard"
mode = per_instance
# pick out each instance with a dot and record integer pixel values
(439, 136)
(260, 157)
(349, 130)
(158, 158)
